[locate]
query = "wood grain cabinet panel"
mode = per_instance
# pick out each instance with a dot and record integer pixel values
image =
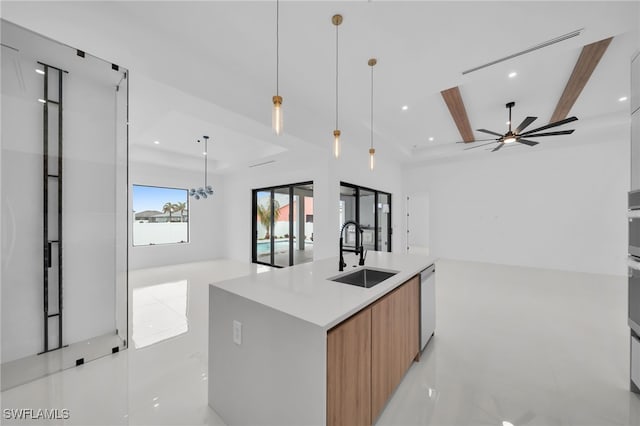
(349, 371)
(395, 341)
(369, 354)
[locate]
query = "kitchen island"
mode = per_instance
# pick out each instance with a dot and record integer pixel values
(292, 347)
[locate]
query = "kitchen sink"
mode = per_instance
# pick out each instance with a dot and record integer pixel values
(364, 277)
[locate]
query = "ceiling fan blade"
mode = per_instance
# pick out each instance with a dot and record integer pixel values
(550, 125)
(478, 140)
(489, 131)
(526, 142)
(478, 146)
(560, 132)
(497, 147)
(525, 123)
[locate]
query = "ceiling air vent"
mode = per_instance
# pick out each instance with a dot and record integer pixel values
(262, 164)
(529, 50)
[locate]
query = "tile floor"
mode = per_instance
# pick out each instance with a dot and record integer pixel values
(513, 346)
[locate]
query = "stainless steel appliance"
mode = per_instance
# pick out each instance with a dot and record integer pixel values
(634, 223)
(634, 288)
(634, 293)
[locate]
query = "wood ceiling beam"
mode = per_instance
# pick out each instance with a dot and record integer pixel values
(454, 102)
(587, 62)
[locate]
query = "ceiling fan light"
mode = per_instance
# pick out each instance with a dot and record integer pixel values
(509, 139)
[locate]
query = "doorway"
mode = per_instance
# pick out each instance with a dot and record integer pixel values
(282, 225)
(372, 210)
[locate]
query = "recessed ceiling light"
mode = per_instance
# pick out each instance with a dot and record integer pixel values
(405, 107)
(156, 142)
(507, 123)
(622, 99)
(39, 71)
(431, 138)
(512, 74)
(506, 423)
(204, 153)
(42, 101)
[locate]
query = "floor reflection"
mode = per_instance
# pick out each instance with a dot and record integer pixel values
(159, 312)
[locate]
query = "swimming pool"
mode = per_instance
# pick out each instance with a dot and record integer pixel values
(264, 247)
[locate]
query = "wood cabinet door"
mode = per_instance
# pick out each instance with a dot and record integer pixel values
(395, 341)
(349, 371)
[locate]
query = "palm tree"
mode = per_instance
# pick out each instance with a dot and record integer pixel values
(264, 214)
(168, 208)
(180, 207)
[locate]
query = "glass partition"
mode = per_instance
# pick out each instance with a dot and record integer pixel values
(64, 206)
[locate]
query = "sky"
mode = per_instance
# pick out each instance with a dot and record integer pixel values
(153, 198)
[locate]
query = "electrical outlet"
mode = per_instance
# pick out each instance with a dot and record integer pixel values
(237, 332)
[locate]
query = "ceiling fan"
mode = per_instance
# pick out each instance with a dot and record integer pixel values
(517, 134)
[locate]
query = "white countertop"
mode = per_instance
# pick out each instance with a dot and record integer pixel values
(304, 291)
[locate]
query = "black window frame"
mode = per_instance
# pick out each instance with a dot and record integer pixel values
(133, 220)
(376, 224)
(254, 225)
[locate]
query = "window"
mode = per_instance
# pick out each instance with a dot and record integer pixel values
(372, 210)
(282, 222)
(160, 215)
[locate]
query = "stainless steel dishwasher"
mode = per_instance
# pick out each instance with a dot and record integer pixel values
(427, 305)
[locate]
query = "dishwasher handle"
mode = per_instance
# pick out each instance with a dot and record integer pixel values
(425, 273)
(633, 265)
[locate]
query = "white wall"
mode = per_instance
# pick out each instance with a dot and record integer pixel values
(206, 230)
(562, 208)
(326, 173)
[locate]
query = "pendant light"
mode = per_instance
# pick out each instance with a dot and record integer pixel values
(372, 62)
(205, 190)
(336, 20)
(276, 116)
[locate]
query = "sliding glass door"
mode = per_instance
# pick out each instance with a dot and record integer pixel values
(383, 215)
(372, 210)
(281, 227)
(282, 222)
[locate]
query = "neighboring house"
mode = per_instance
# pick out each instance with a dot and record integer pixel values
(154, 216)
(308, 211)
(147, 216)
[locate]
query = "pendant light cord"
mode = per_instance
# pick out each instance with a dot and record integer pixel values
(336, 77)
(372, 106)
(277, 46)
(206, 154)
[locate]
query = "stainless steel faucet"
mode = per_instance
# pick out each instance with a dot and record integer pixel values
(359, 248)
